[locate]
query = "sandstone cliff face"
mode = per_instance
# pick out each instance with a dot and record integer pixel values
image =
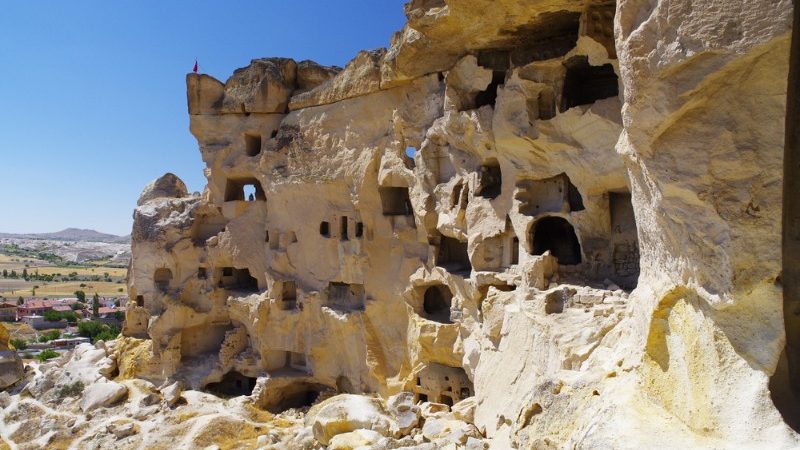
(565, 211)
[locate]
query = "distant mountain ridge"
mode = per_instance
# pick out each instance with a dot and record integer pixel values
(73, 234)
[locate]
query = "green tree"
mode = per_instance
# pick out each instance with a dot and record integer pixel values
(49, 336)
(25, 274)
(13, 273)
(19, 344)
(97, 330)
(47, 354)
(20, 300)
(5, 273)
(81, 296)
(52, 315)
(96, 305)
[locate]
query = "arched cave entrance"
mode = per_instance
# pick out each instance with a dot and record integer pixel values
(295, 395)
(436, 303)
(558, 236)
(584, 84)
(232, 384)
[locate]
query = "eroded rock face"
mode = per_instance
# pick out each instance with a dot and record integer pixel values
(511, 210)
(11, 367)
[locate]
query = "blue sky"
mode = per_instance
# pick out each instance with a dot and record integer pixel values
(93, 99)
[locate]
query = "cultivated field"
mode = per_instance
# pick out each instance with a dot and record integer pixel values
(105, 281)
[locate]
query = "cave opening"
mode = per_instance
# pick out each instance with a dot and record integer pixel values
(444, 384)
(162, 278)
(453, 255)
(345, 297)
(555, 194)
(233, 384)
(238, 280)
(395, 201)
(252, 144)
(624, 240)
(288, 295)
(558, 236)
(515, 250)
(436, 303)
(489, 95)
(241, 189)
(584, 84)
(297, 395)
(343, 229)
(490, 179)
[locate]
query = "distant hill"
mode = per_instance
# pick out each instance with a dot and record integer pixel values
(73, 234)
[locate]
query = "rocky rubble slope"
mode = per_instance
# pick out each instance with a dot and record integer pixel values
(83, 401)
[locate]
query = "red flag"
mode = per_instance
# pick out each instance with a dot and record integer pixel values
(195, 66)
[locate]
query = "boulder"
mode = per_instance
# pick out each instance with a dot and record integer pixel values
(431, 409)
(11, 368)
(122, 429)
(348, 412)
(102, 393)
(449, 431)
(404, 410)
(357, 439)
(311, 75)
(262, 87)
(172, 393)
(465, 409)
(166, 186)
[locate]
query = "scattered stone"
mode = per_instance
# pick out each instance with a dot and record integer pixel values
(465, 409)
(354, 440)
(430, 409)
(122, 430)
(450, 431)
(102, 393)
(172, 393)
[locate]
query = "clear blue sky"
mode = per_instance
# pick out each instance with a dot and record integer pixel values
(93, 98)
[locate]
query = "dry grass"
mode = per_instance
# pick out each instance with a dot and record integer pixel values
(16, 288)
(81, 271)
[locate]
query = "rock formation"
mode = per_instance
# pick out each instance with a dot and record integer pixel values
(11, 367)
(550, 224)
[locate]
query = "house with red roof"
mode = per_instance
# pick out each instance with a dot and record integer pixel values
(8, 311)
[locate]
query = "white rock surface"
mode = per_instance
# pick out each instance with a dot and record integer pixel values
(345, 413)
(102, 393)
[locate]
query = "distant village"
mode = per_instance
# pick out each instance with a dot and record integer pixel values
(62, 324)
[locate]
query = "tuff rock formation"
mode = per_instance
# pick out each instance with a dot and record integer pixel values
(549, 224)
(11, 367)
